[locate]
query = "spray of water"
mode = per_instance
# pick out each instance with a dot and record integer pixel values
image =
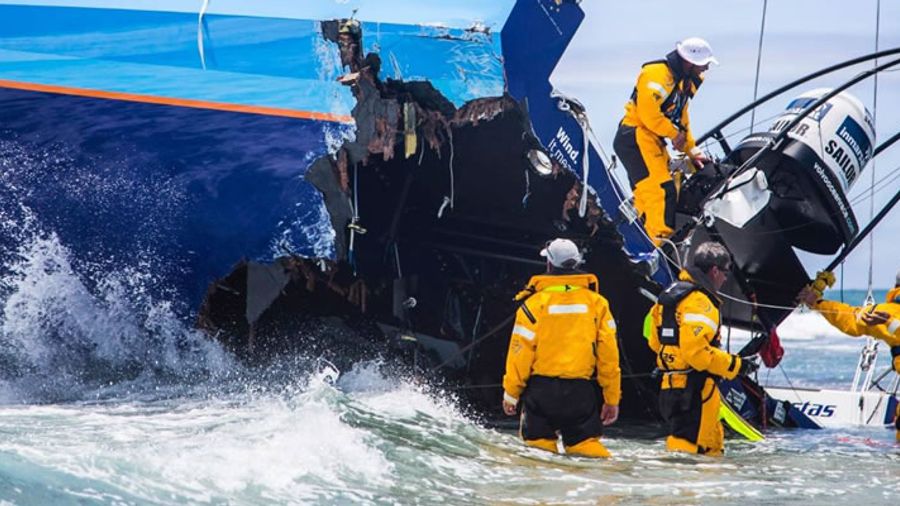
(67, 331)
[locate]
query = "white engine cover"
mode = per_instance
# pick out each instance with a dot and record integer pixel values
(840, 132)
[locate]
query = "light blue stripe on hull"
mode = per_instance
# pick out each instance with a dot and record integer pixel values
(281, 63)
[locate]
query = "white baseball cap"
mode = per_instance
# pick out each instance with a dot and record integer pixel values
(696, 50)
(561, 251)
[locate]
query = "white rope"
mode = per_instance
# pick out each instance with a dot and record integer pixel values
(448, 199)
(755, 304)
(354, 220)
(444, 205)
(452, 182)
(675, 249)
(200, 33)
(762, 30)
(775, 306)
(585, 165)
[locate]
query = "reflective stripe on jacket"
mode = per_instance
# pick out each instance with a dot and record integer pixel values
(659, 102)
(564, 329)
(698, 327)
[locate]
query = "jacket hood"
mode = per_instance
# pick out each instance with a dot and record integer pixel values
(542, 281)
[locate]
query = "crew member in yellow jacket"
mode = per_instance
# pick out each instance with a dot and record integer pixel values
(563, 347)
(881, 321)
(658, 110)
(683, 330)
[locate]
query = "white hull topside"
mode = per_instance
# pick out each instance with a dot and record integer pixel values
(839, 408)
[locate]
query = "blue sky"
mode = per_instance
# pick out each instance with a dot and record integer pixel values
(801, 36)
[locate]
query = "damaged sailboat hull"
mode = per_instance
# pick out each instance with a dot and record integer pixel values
(300, 179)
(227, 157)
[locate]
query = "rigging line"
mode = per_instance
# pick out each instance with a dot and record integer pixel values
(585, 165)
(887, 184)
(609, 163)
(861, 197)
(712, 140)
(756, 304)
(869, 298)
(775, 306)
(864, 232)
(793, 84)
(503, 324)
(776, 142)
(790, 384)
(762, 29)
(740, 131)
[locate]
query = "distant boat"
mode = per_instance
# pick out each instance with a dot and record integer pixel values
(344, 178)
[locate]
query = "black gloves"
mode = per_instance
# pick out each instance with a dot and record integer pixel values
(747, 367)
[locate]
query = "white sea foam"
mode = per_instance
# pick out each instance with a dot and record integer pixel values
(61, 330)
(807, 325)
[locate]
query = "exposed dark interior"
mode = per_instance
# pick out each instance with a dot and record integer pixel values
(439, 216)
(461, 269)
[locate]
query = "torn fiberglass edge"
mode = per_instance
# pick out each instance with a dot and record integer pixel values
(441, 217)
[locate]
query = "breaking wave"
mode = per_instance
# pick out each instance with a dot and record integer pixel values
(68, 332)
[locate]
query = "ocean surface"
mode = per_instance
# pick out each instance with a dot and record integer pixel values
(107, 398)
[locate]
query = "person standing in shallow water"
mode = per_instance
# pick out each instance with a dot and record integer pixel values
(683, 330)
(562, 352)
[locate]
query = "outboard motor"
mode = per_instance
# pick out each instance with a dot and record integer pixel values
(792, 196)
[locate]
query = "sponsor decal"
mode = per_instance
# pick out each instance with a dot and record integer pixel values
(842, 159)
(823, 175)
(736, 399)
(562, 150)
(819, 410)
(780, 413)
(551, 5)
(799, 129)
(856, 143)
(797, 106)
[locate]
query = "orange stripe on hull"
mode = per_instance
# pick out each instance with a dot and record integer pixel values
(180, 102)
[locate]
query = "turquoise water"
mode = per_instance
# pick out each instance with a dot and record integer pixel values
(855, 297)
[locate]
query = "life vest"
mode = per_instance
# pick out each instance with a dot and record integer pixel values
(668, 331)
(684, 89)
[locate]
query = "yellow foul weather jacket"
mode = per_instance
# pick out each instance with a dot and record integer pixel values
(847, 319)
(657, 110)
(698, 323)
(564, 329)
(659, 103)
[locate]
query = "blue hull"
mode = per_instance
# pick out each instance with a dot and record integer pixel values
(188, 191)
(194, 169)
(186, 138)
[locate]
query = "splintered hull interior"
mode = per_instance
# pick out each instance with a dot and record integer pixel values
(427, 277)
